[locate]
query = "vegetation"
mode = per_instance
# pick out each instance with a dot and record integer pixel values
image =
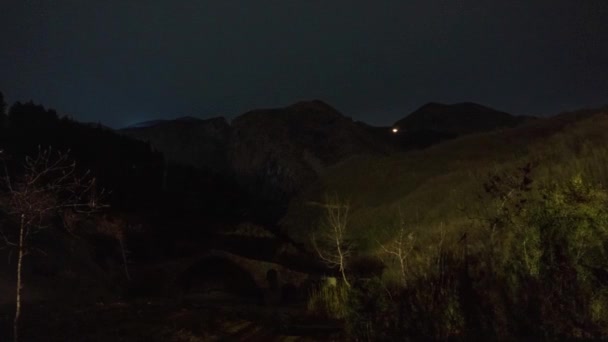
(48, 188)
(329, 300)
(478, 236)
(439, 186)
(535, 267)
(335, 250)
(497, 235)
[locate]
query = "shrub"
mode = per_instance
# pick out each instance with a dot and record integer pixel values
(329, 300)
(546, 262)
(538, 269)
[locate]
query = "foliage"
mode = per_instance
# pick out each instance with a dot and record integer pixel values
(329, 300)
(426, 306)
(538, 270)
(370, 310)
(521, 254)
(535, 266)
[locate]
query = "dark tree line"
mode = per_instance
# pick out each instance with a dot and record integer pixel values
(130, 169)
(134, 174)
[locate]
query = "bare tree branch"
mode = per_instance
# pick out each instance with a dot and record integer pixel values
(335, 250)
(400, 248)
(48, 187)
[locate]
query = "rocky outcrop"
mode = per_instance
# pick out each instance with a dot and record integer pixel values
(277, 151)
(272, 153)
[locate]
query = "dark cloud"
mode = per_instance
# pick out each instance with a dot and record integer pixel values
(124, 61)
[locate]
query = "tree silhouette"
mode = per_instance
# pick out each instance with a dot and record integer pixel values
(2, 103)
(2, 110)
(130, 168)
(332, 246)
(48, 186)
(32, 115)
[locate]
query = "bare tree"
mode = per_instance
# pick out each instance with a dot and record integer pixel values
(117, 228)
(332, 246)
(47, 186)
(400, 248)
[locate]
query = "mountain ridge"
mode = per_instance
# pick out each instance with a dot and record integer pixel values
(274, 152)
(458, 118)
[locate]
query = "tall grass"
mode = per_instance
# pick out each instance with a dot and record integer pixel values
(329, 300)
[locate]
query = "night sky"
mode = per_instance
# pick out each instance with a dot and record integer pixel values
(120, 62)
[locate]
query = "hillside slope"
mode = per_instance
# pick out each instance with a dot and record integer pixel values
(280, 150)
(439, 187)
(187, 141)
(272, 153)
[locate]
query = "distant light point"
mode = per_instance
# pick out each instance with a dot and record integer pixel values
(395, 130)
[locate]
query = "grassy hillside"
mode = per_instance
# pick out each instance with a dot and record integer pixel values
(440, 186)
(502, 235)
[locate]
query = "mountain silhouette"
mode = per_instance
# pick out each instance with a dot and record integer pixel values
(435, 122)
(457, 119)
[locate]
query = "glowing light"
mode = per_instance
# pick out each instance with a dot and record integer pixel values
(395, 130)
